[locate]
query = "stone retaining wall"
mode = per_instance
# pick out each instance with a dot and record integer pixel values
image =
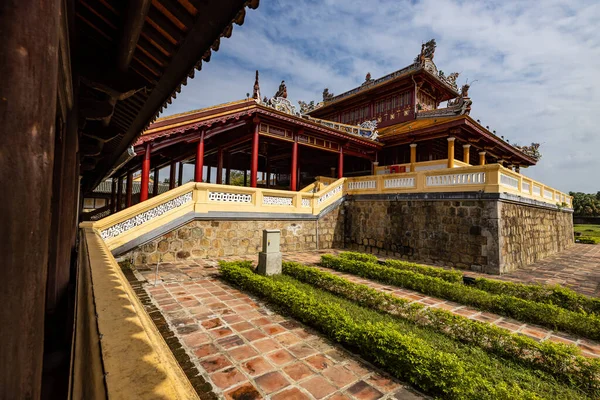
(221, 238)
(492, 236)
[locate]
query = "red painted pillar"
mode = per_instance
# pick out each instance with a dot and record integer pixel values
(120, 194)
(145, 181)
(129, 189)
(172, 175)
(199, 158)
(219, 166)
(254, 164)
(341, 164)
(294, 169)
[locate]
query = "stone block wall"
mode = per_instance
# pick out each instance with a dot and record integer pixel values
(529, 234)
(491, 236)
(223, 238)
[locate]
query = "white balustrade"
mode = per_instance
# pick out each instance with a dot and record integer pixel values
(399, 183)
(472, 178)
(329, 194)
(362, 185)
(230, 197)
(305, 202)
(525, 187)
(537, 190)
(509, 181)
(548, 194)
(277, 201)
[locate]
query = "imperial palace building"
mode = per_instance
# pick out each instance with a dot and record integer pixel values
(92, 175)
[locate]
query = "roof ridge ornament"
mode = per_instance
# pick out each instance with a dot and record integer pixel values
(256, 90)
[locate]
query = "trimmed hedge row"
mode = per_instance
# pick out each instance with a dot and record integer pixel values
(447, 275)
(549, 294)
(404, 355)
(556, 358)
(351, 255)
(548, 315)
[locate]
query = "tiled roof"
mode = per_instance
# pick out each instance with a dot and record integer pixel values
(416, 124)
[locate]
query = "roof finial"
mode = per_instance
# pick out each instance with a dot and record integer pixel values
(256, 91)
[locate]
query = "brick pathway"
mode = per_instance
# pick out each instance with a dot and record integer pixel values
(249, 352)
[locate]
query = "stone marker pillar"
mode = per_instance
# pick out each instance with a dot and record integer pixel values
(269, 259)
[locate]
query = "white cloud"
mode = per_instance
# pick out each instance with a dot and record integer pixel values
(536, 64)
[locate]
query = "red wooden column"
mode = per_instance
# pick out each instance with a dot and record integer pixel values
(341, 164)
(180, 175)
(294, 168)
(219, 166)
(172, 173)
(129, 189)
(113, 196)
(199, 158)
(145, 181)
(254, 163)
(156, 180)
(120, 193)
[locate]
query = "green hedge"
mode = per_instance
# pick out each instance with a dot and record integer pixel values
(548, 315)
(447, 275)
(587, 240)
(550, 294)
(351, 255)
(418, 361)
(556, 358)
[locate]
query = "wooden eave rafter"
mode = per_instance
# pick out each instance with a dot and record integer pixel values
(162, 43)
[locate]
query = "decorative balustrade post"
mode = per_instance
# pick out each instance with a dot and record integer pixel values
(451, 152)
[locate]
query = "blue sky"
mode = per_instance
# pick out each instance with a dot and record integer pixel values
(536, 65)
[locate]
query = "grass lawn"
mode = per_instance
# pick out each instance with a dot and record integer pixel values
(587, 230)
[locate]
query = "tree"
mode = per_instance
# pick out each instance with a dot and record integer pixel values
(236, 178)
(587, 205)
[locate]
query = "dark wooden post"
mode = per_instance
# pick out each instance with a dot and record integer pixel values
(129, 189)
(113, 196)
(228, 169)
(29, 70)
(254, 163)
(294, 167)
(245, 177)
(208, 173)
(172, 172)
(156, 181)
(341, 164)
(219, 166)
(145, 178)
(120, 193)
(199, 158)
(180, 177)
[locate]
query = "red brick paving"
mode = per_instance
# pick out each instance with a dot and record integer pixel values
(249, 352)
